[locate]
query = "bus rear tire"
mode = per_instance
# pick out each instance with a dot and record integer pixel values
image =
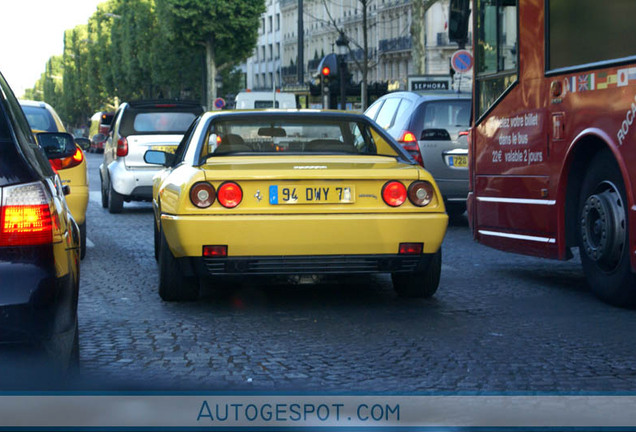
(603, 233)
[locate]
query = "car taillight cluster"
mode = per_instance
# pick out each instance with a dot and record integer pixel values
(122, 147)
(203, 194)
(419, 193)
(25, 216)
(68, 162)
(409, 143)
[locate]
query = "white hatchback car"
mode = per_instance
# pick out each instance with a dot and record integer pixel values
(137, 127)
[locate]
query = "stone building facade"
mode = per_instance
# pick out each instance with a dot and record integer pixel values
(390, 47)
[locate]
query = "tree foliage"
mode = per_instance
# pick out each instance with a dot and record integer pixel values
(142, 49)
(226, 28)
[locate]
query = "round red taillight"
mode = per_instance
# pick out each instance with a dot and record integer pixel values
(421, 193)
(202, 194)
(394, 193)
(230, 194)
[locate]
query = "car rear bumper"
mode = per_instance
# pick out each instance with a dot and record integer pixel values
(34, 303)
(304, 235)
(303, 265)
(132, 183)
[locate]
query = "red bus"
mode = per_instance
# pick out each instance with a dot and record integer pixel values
(553, 142)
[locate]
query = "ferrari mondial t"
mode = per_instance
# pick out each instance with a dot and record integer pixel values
(293, 193)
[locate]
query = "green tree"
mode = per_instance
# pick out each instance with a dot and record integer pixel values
(74, 106)
(226, 28)
(101, 88)
(132, 35)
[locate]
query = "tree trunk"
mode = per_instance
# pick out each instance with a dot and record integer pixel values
(210, 63)
(418, 35)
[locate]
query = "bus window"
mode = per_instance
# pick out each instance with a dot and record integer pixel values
(613, 19)
(496, 56)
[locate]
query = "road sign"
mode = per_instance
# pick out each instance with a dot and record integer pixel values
(462, 61)
(219, 103)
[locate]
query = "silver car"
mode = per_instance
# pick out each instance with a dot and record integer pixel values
(432, 128)
(137, 127)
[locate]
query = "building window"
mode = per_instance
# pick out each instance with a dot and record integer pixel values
(277, 22)
(270, 27)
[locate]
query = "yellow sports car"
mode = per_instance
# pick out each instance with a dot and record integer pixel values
(72, 170)
(304, 192)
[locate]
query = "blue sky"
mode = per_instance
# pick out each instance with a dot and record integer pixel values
(32, 31)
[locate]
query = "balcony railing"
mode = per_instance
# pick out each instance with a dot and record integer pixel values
(396, 44)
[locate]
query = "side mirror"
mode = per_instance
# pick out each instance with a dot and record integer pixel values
(156, 157)
(84, 143)
(435, 135)
(57, 145)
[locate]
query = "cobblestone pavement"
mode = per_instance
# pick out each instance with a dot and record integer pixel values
(499, 322)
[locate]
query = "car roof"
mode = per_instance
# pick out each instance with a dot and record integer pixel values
(162, 103)
(36, 104)
(427, 96)
(305, 113)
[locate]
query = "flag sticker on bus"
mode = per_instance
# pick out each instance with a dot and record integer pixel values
(605, 80)
(625, 76)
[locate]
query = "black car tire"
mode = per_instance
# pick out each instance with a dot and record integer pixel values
(603, 233)
(115, 200)
(422, 284)
(82, 229)
(104, 193)
(454, 209)
(173, 285)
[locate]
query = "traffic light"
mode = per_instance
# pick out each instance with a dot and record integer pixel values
(324, 75)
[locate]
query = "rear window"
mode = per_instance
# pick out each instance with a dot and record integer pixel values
(157, 121)
(447, 114)
(265, 104)
(39, 119)
(289, 135)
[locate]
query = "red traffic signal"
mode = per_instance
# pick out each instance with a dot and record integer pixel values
(325, 71)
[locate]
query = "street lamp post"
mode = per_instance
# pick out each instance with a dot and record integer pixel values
(342, 44)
